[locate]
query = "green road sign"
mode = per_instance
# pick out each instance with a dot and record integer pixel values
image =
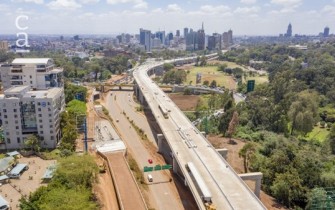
(158, 167)
(250, 85)
(165, 167)
(148, 169)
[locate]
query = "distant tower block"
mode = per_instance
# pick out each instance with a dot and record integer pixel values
(198, 80)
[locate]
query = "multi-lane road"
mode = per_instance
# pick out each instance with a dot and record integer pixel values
(164, 194)
(189, 145)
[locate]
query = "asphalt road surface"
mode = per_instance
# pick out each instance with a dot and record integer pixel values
(162, 192)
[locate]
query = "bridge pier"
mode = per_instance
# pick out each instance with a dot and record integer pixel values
(223, 152)
(257, 177)
(175, 163)
(160, 139)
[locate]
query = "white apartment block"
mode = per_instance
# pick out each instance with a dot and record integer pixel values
(38, 73)
(24, 112)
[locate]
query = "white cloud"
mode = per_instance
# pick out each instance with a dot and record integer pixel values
(141, 5)
(287, 3)
(248, 1)
(30, 1)
(246, 10)
(329, 9)
(214, 9)
(63, 4)
(4, 7)
(89, 1)
(123, 1)
(173, 8)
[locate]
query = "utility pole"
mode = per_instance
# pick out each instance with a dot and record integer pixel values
(85, 133)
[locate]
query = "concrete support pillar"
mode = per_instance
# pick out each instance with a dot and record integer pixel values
(223, 152)
(160, 139)
(257, 177)
(203, 133)
(174, 165)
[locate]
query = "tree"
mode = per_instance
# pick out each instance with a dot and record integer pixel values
(304, 112)
(206, 83)
(33, 142)
(331, 138)
(203, 60)
(232, 126)
(247, 152)
(288, 188)
(213, 84)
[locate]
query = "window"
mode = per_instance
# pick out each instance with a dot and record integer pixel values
(8, 140)
(51, 126)
(15, 116)
(5, 116)
(40, 121)
(41, 132)
(39, 109)
(41, 126)
(31, 82)
(42, 138)
(17, 127)
(14, 110)
(7, 133)
(39, 103)
(51, 132)
(50, 115)
(18, 140)
(30, 77)
(39, 115)
(16, 122)
(48, 103)
(50, 120)
(51, 138)
(6, 122)
(49, 109)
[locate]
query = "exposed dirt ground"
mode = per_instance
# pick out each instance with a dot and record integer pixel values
(237, 163)
(185, 102)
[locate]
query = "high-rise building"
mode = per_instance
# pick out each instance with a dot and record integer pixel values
(24, 112)
(289, 30)
(326, 31)
(192, 41)
(178, 33)
(230, 36)
(145, 39)
(185, 32)
(170, 35)
(38, 73)
(161, 35)
(201, 38)
(214, 42)
(4, 45)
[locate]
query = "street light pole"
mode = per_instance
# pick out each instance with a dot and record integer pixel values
(85, 133)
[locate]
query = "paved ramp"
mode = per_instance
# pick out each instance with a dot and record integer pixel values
(128, 192)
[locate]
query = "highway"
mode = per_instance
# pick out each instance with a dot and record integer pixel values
(163, 194)
(189, 145)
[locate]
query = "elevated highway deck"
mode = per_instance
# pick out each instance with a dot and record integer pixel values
(228, 190)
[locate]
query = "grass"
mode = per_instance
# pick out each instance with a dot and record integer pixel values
(211, 73)
(319, 134)
(138, 174)
(2, 156)
(259, 79)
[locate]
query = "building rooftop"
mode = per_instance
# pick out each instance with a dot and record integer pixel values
(16, 89)
(31, 61)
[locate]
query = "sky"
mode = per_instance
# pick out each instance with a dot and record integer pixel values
(244, 17)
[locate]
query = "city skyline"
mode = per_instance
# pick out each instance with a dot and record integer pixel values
(245, 17)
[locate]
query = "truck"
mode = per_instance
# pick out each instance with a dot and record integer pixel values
(202, 188)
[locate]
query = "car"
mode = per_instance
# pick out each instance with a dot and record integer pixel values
(117, 120)
(150, 161)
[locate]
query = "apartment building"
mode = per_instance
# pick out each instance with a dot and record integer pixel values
(24, 112)
(38, 73)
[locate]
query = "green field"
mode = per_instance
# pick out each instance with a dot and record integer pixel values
(211, 73)
(319, 134)
(259, 79)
